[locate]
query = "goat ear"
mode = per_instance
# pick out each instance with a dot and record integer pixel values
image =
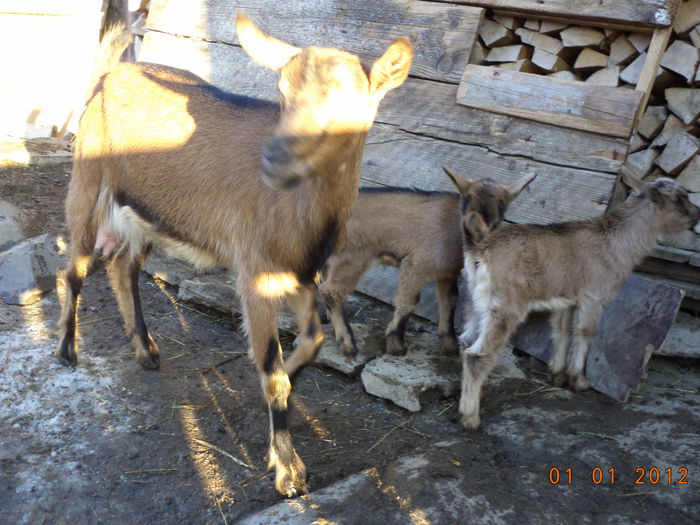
(655, 195)
(517, 187)
(460, 182)
(391, 69)
(261, 47)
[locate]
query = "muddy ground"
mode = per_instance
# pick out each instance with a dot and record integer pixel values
(108, 442)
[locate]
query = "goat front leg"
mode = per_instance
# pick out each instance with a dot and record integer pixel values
(261, 322)
(124, 271)
(447, 294)
(476, 368)
(586, 319)
(343, 275)
(561, 337)
(303, 303)
(406, 300)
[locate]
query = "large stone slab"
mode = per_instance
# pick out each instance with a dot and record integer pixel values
(634, 325)
(28, 269)
(370, 344)
(213, 291)
(684, 338)
(172, 271)
(11, 218)
(405, 379)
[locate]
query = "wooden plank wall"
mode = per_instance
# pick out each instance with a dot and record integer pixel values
(643, 12)
(420, 127)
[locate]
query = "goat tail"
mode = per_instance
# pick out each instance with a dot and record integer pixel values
(115, 37)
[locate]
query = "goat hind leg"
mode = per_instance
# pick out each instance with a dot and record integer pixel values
(74, 275)
(586, 319)
(309, 323)
(406, 300)
(261, 321)
(561, 337)
(124, 270)
(447, 294)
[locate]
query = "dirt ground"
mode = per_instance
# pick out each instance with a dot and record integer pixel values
(108, 442)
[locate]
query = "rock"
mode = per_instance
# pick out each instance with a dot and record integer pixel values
(370, 344)
(681, 58)
(621, 51)
(640, 163)
(35, 152)
(11, 220)
(684, 337)
(167, 269)
(609, 76)
(28, 269)
(690, 176)
(577, 36)
(652, 121)
(680, 149)
(403, 379)
(213, 291)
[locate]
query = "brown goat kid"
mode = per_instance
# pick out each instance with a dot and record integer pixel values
(573, 269)
(164, 158)
(420, 233)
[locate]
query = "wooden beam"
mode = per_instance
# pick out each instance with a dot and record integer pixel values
(653, 13)
(658, 44)
(442, 35)
(571, 104)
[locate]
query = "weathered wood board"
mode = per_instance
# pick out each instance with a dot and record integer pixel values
(644, 12)
(634, 325)
(442, 35)
(420, 106)
(571, 104)
(394, 157)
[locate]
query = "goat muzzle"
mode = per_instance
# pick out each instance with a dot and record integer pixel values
(281, 167)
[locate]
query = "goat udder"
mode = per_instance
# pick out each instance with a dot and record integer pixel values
(107, 240)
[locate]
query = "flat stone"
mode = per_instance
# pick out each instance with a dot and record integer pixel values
(34, 152)
(214, 291)
(684, 102)
(170, 270)
(28, 269)
(684, 338)
(634, 324)
(370, 342)
(11, 220)
(403, 379)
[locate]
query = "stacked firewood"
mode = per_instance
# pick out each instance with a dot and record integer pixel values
(666, 141)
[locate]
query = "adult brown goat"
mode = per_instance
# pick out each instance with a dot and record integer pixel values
(164, 158)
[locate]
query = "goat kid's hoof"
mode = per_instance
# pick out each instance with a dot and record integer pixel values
(558, 379)
(579, 383)
(471, 422)
(394, 346)
(448, 345)
(348, 350)
(291, 482)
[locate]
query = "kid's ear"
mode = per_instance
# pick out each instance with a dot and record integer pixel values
(460, 182)
(391, 69)
(261, 47)
(515, 189)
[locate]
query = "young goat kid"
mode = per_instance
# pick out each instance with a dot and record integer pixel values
(419, 232)
(164, 158)
(573, 269)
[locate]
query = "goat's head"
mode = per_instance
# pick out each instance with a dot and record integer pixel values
(484, 203)
(328, 102)
(673, 208)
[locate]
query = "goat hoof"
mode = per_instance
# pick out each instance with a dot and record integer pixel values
(66, 354)
(579, 383)
(150, 361)
(348, 350)
(290, 481)
(448, 344)
(471, 422)
(394, 346)
(558, 378)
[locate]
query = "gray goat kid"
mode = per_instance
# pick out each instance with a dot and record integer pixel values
(572, 269)
(419, 232)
